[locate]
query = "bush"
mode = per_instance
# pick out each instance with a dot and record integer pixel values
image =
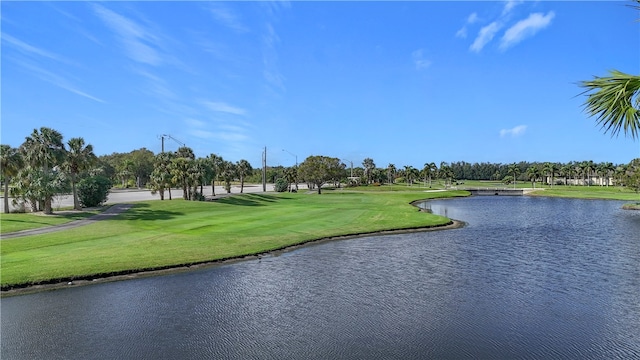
(281, 185)
(93, 191)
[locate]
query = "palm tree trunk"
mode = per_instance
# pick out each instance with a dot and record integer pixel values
(6, 195)
(76, 203)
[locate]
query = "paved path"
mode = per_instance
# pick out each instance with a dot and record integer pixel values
(109, 213)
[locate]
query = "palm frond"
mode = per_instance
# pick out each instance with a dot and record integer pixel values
(615, 102)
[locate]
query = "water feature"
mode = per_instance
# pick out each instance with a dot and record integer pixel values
(526, 278)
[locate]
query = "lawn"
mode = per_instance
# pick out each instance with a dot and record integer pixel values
(157, 234)
(16, 222)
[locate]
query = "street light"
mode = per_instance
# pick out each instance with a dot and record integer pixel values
(296, 156)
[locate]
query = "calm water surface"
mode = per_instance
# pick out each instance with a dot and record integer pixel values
(526, 278)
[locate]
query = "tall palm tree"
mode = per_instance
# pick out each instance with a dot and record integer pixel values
(368, 166)
(228, 172)
(589, 166)
(551, 169)
(391, 171)
(215, 164)
(243, 167)
(11, 163)
(534, 173)
(44, 149)
(514, 170)
(79, 158)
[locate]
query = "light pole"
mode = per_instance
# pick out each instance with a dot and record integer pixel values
(351, 162)
(296, 156)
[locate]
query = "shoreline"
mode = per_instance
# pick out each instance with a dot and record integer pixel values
(55, 284)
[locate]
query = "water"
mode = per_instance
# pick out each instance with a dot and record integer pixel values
(526, 278)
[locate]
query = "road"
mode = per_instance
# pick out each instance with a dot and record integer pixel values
(132, 195)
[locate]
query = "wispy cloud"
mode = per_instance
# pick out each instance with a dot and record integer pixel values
(271, 73)
(471, 19)
(509, 5)
(227, 17)
(138, 42)
(513, 35)
(58, 81)
(32, 50)
(514, 132)
(419, 59)
(224, 108)
(485, 35)
(525, 28)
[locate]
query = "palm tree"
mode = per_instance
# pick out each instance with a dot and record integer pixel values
(589, 166)
(243, 168)
(391, 171)
(514, 170)
(215, 165)
(534, 173)
(79, 158)
(11, 163)
(551, 169)
(228, 172)
(615, 102)
(161, 174)
(44, 149)
(368, 166)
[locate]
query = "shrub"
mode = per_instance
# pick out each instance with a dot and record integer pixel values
(93, 191)
(281, 185)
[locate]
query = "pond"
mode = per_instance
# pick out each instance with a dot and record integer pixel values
(527, 277)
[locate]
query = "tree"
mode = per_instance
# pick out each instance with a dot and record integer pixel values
(79, 158)
(391, 173)
(215, 164)
(44, 150)
(243, 168)
(534, 173)
(615, 101)
(368, 166)
(514, 170)
(161, 175)
(318, 170)
(93, 191)
(11, 162)
(428, 170)
(632, 175)
(228, 172)
(551, 169)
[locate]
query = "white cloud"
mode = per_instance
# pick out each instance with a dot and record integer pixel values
(525, 28)
(514, 132)
(419, 59)
(509, 5)
(137, 41)
(227, 17)
(471, 19)
(30, 49)
(225, 108)
(485, 35)
(58, 81)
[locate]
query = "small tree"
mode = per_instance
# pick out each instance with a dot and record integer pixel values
(319, 170)
(93, 191)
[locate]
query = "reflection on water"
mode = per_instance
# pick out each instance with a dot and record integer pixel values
(527, 277)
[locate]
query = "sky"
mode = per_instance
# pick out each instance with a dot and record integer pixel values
(403, 83)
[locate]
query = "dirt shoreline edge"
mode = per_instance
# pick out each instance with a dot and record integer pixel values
(55, 284)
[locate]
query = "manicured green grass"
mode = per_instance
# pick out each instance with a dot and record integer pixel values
(16, 222)
(157, 234)
(589, 192)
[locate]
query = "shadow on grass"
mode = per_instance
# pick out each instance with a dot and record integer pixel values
(141, 212)
(249, 200)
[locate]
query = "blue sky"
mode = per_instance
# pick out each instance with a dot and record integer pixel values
(399, 82)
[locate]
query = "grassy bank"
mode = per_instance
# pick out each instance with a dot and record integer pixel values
(589, 192)
(158, 234)
(17, 222)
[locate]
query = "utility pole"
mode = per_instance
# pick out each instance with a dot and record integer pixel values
(264, 170)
